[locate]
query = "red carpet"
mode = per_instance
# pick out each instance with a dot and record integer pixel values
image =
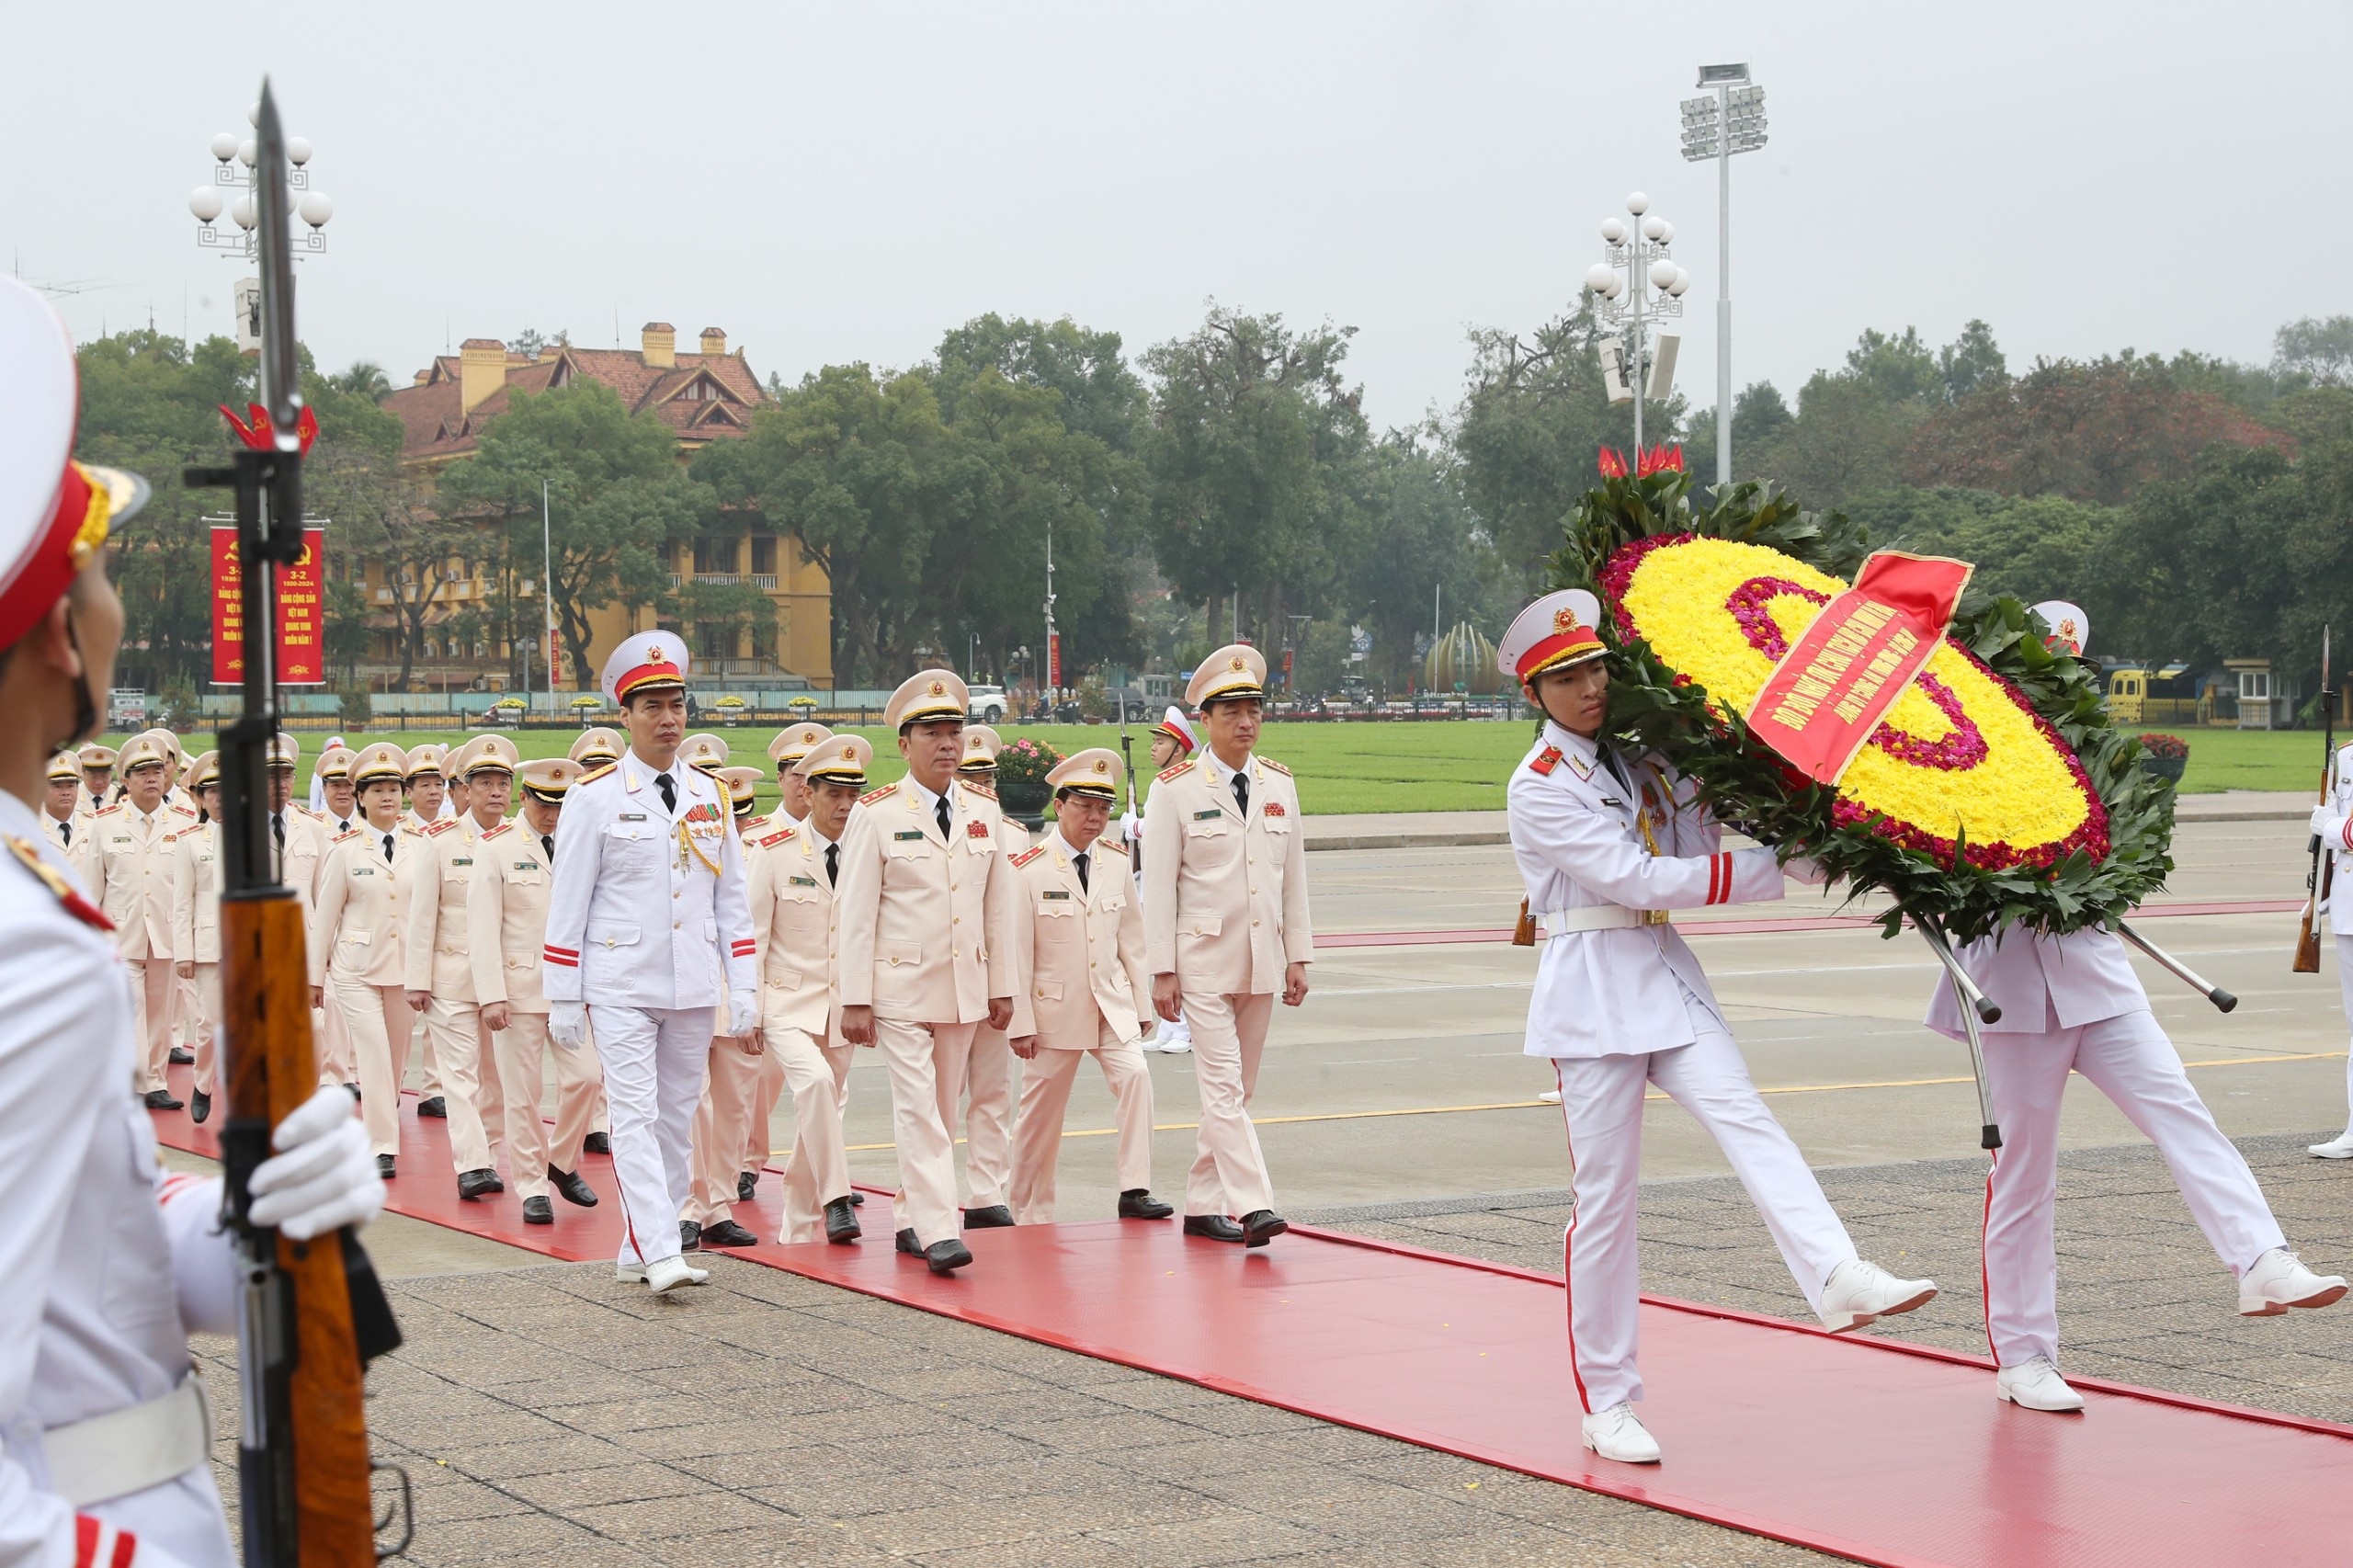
(1880, 1452)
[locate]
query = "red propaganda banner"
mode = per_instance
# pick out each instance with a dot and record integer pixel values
(302, 612)
(1839, 678)
(1054, 659)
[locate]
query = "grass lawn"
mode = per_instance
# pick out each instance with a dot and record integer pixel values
(1438, 766)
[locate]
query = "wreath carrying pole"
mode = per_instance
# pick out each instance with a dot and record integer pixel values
(1975, 1005)
(2223, 1000)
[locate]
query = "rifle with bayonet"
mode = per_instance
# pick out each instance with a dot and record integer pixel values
(2323, 872)
(310, 1315)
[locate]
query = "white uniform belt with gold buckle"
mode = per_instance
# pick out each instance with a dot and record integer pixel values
(1599, 917)
(132, 1448)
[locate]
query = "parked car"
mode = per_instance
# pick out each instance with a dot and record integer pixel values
(987, 705)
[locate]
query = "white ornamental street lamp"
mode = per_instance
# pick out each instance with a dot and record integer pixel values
(1640, 363)
(231, 191)
(1733, 120)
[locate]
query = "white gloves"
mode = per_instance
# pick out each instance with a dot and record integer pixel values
(2327, 824)
(321, 1178)
(568, 1024)
(1801, 868)
(742, 1016)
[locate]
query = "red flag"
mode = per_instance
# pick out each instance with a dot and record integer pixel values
(254, 430)
(1612, 465)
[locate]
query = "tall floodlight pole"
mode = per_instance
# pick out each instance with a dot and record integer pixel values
(1733, 120)
(1640, 363)
(547, 585)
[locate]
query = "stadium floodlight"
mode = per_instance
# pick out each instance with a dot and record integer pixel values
(1635, 289)
(1718, 125)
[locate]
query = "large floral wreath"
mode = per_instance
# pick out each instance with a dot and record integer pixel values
(1995, 789)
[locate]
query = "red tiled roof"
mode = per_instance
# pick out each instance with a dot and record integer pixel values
(434, 424)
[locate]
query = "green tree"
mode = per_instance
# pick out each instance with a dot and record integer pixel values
(2317, 351)
(1420, 556)
(618, 499)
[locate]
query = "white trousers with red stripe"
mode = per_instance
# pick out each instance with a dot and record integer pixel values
(1602, 1101)
(178, 1522)
(653, 1058)
(2129, 1059)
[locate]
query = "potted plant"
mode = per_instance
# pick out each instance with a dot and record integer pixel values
(2165, 756)
(1021, 769)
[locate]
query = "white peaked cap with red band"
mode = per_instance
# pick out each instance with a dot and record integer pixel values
(1177, 728)
(647, 662)
(1559, 629)
(2071, 629)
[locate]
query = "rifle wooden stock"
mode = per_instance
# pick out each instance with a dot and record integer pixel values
(1523, 931)
(2307, 961)
(270, 1068)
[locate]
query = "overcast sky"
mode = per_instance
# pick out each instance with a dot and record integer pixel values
(845, 182)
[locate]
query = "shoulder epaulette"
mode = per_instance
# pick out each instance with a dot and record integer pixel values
(873, 795)
(1029, 855)
(1113, 845)
(314, 816)
(1270, 762)
(437, 829)
(107, 811)
(775, 838)
(1545, 761)
(595, 773)
(347, 833)
(76, 905)
(987, 791)
(1178, 771)
(184, 811)
(753, 824)
(495, 832)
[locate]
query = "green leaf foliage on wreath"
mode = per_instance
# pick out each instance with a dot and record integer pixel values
(1750, 788)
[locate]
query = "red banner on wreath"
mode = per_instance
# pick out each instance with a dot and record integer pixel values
(302, 612)
(1865, 649)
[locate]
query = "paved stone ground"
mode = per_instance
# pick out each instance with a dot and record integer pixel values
(551, 1416)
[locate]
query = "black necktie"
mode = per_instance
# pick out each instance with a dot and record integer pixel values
(388, 849)
(833, 864)
(1242, 792)
(1079, 862)
(670, 792)
(66, 828)
(278, 831)
(547, 847)
(941, 813)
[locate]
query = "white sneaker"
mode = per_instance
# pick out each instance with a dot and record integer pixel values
(2036, 1384)
(1550, 1096)
(630, 1273)
(668, 1274)
(1859, 1293)
(1172, 1044)
(2279, 1280)
(1619, 1434)
(2338, 1148)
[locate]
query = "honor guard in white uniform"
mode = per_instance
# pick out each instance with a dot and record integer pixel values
(2332, 823)
(1226, 931)
(358, 941)
(795, 871)
(1608, 845)
(506, 920)
(785, 752)
(1172, 741)
(109, 1263)
(722, 1117)
(1084, 988)
(132, 859)
(989, 1092)
(649, 932)
(61, 812)
(196, 919)
(2073, 1004)
(440, 971)
(927, 904)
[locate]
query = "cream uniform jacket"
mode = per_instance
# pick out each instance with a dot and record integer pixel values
(132, 874)
(799, 925)
(649, 907)
(927, 924)
(1224, 891)
(1586, 839)
(305, 851)
(1081, 950)
(439, 959)
(76, 848)
(360, 923)
(196, 895)
(506, 916)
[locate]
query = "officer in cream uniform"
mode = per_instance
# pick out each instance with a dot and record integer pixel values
(61, 812)
(132, 879)
(196, 920)
(988, 1073)
(1226, 931)
(785, 752)
(1084, 991)
(2073, 1004)
(1607, 846)
(109, 1263)
(648, 933)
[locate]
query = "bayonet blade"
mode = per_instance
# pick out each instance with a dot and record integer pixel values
(281, 387)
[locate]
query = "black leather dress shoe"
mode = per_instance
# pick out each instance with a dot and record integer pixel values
(384, 1166)
(841, 1222)
(437, 1106)
(947, 1257)
(182, 1057)
(1216, 1227)
(573, 1189)
(354, 1092)
(906, 1241)
(746, 1183)
(1138, 1203)
(479, 1184)
(161, 1100)
(538, 1211)
(996, 1217)
(596, 1144)
(689, 1236)
(728, 1233)
(857, 1200)
(1261, 1226)
(199, 1107)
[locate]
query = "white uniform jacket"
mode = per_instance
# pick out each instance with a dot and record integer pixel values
(110, 1263)
(506, 916)
(2041, 983)
(926, 923)
(196, 895)
(650, 907)
(1081, 948)
(799, 924)
(2337, 836)
(1584, 839)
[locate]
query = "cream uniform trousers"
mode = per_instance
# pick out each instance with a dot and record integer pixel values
(521, 1051)
(195, 935)
(1046, 1081)
(721, 1128)
(506, 924)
